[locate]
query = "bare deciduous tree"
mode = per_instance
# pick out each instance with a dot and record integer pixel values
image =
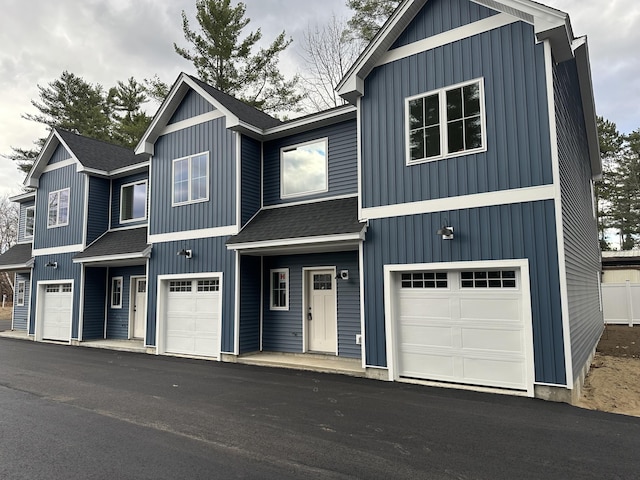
(9, 215)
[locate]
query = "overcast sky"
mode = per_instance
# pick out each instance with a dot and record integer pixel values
(104, 41)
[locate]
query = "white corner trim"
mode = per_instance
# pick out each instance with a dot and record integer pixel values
(238, 178)
(363, 346)
(57, 250)
(194, 234)
(359, 163)
(460, 33)
(489, 199)
(192, 122)
(562, 265)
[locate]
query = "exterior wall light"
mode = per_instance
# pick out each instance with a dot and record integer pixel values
(446, 232)
(185, 253)
(52, 264)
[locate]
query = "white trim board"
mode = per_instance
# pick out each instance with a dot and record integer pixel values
(477, 200)
(193, 234)
(57, 250)
(192, 122)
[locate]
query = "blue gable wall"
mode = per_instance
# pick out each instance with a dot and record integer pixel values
(21, 313)
(93, 315)
(192, 105)
(518, 154)
(98, 215)
(342, 162)
(71, 234)
(251, 178)
(219, 210)
(116, 191)
(59, 155)
(23, 220)
(441, 16)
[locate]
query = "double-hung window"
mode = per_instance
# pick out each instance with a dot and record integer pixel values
(58, 208)
(191, 179)
(29, 221)
(133, 202)
(446, 123)
(20, 293)
(116, 292)
(303, 169)
(280, 289)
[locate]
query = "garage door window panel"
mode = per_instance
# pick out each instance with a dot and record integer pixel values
(488, 279)
(425, 280)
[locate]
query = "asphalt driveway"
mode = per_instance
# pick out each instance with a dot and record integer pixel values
(69, 412)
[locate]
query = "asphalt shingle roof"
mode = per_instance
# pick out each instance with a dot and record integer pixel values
(120, 242)
(19, 254)
(99, 155)
(333, 217)
(244, 112)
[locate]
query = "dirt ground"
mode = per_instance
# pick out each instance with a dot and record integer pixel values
(613, 384)
(5, 313)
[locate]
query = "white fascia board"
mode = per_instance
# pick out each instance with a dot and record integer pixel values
(327, 117)
(21, 197)
(58, 250)
(41, 161)
(289, 242)
(17, 267)
(146, 253)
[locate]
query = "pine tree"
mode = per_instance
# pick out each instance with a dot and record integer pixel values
(129, 121)
(369, 16)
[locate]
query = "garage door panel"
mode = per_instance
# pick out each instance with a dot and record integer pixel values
(492, 339)
(497, 373)
(426, 335)
(494, 308)
(416, 305)
(437, 367)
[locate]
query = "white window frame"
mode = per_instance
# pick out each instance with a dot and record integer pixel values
(26, 221)
(20, 293)
(444, 140)
(58, 193)
(173, 176)
(116, 281)
(290, 148)
(272, 305)
(133, 185)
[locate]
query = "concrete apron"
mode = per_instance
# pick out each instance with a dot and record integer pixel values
(311, 362)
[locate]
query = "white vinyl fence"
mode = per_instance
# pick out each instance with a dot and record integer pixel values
(621, 303)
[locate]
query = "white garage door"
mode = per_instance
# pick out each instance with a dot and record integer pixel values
(56, 311)
(463, 327)
(192, 317)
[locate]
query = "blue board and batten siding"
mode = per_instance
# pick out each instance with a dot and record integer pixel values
(526, 230)
(191, 106)
(250, 268)
(95, 298)
(582, 249)
(22, 221)
(283, 330)
(21, 313)
(219, 210)
(98, 215)
(59, 155)
(209, 255)
(251, 173)
(71, 234)
(116, 192)
(118, 318)
(342, 162)
(518, 151)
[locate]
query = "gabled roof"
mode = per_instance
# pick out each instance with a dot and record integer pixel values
(331, 221)
(118, 245)
(17, 257)
(92, 156)
(549, 24)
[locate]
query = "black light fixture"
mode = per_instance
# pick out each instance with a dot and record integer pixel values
(446, 231)
(185, 253)
(52, 264)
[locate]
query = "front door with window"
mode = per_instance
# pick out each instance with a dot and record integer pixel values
(139, 307)
(322, 324)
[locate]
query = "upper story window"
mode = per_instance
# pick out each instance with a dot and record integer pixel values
(29, 221)
(58, 208)
(191, 179)
(304, 169)
(446, 123)
(133, 202)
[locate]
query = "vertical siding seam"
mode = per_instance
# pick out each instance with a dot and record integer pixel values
(562, 269)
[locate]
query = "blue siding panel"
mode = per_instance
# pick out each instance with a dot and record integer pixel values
(21, 313)
(118, 318)
(209, 255)
(249, 304)
(520, 231)
(582, 249)
(95, 296)
(518, 153)
(59, 155)
(116, 191)
(342, 162)
(192, 105)
(71, 234)
(98, 217)
(219, 210)
(283, 331)
(441, 16)
(250, 178)
(23, 220)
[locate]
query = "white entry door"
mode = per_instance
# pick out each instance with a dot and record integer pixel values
(139, 307)
(56, 311)
(322, 326)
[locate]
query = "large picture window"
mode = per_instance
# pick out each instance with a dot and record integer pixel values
(191, 179)
(133, 202)
(29, 221)
(303, 169)
(446, 123)
(58, 208)
(280, 289)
